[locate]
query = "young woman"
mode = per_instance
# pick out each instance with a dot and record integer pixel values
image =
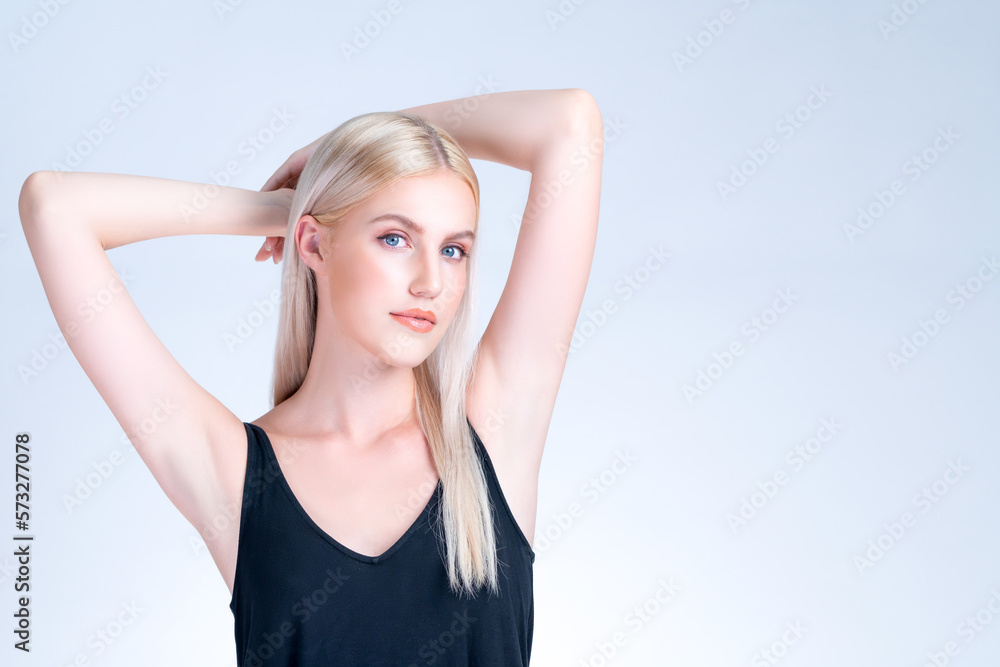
(396, 528)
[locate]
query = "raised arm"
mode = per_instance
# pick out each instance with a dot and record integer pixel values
(557, 135)
(182, 433)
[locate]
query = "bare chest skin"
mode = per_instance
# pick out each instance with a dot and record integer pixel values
(365, 501)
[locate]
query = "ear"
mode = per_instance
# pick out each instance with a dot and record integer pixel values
(309, 239)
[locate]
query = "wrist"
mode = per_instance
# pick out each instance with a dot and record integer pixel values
(274, 207)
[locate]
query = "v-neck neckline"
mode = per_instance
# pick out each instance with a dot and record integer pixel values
(364, 558)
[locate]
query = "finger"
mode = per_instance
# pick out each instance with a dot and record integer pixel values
(261, 254)
(279, 177)
(288, 173)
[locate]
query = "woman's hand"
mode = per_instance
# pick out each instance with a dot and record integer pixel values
(287, 176)
(273, 245)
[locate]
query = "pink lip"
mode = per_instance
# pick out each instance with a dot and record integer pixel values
(416, 313)
(415, 323)
(416, 319)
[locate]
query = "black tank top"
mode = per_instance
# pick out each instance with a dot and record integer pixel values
(302, 598)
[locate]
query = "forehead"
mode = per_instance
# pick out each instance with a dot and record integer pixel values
(441, 202)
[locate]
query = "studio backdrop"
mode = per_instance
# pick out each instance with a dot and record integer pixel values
(776, 437)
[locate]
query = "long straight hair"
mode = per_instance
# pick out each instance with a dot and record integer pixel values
(358, 159)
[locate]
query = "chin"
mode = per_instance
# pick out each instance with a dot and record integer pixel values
(404, 352)
(405, 361)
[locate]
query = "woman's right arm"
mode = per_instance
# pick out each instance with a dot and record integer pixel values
(192, 444)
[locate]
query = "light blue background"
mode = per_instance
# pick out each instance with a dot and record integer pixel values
(675, 130)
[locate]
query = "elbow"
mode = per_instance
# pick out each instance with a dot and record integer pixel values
(31, 196)
(583, 114)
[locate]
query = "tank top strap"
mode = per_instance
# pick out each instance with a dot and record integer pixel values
(263, 471)
(254, 472)
(253, 461)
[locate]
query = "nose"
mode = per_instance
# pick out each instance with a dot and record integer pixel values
(427, 280)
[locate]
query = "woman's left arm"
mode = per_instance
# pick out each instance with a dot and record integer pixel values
(558, 136)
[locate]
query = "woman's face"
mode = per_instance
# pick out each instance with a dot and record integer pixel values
(403, 249)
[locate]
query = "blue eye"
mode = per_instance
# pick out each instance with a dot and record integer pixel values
(392, 240)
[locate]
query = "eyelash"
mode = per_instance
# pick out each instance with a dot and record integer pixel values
(456, 247)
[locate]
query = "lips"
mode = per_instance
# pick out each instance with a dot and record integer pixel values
(418, 314)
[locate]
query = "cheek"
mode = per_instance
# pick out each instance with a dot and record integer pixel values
(358, 278)
(455, 289)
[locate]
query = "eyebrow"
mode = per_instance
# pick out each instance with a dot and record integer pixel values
(418, 228)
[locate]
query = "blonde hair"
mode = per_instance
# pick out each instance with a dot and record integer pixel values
(358, 159)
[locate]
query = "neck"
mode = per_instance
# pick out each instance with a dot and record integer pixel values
(351, 394)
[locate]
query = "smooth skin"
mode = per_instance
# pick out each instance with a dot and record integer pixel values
(348, 441)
